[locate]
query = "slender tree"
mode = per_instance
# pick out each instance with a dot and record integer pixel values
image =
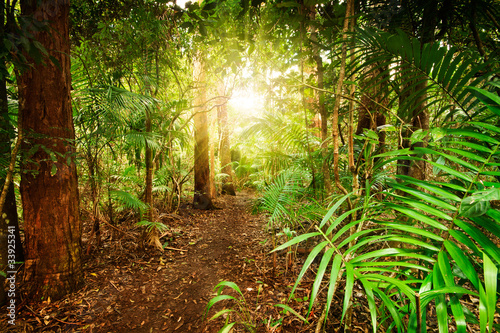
(225, 149)
(49, 181)
(202, 198)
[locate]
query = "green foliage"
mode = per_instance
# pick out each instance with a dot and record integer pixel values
(444, 235)
(240, 308)
(128, 200)
(379, 55)
(285, 202)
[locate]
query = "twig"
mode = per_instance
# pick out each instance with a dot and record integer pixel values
(174, 249)
(115, 286)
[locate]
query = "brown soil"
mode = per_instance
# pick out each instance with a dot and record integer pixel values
(129, 289)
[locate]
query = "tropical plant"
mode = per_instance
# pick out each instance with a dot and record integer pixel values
(240, 309)
(430, 240)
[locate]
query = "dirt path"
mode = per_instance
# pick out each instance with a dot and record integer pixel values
(127, 290)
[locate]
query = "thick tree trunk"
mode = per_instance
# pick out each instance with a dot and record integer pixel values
(49, 181)
(202, 198)
(225, 151)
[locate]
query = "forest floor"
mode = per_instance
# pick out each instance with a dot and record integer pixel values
(129, 289)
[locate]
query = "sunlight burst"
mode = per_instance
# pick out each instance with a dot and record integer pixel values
(247, 103)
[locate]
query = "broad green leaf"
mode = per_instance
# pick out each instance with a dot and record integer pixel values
(221, 313)
(315, 251)
(424, 196)
(463, 262)
(372, 265)
(349, 284)
(472, 134)
(451, 171)
(417, 216)
(473, 207)
(413, 242)
(440, 301)
(426, 208)
(461, 238)
(319, 276)
(371, 302)
(488, 246)
(296, 240)
(486, 97)
(228, 284)
(218, 299)
(333, 209)
(448, 278)
(334, 274)
(414, 230)
(490, 283)
(435, 189)
(389, 304)
(227, 328)
(389, 252)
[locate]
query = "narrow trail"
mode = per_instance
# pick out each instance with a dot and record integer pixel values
(127, 290)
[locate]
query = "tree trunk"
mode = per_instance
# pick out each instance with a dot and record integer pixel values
(211, 136)
(8, 211)
(202, 198)
(338, 92)
(49, 181)
(225, 151)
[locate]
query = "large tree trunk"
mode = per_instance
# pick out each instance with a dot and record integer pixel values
(202, 198)
(49, 181)
(225, 151)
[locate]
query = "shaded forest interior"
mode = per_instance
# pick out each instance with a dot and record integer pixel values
(259, 166)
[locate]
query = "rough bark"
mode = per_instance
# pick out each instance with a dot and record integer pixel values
(338, 92)
(225, 151)
(49, 180)
(202, 198)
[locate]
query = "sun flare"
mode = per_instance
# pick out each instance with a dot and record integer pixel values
(247, 103)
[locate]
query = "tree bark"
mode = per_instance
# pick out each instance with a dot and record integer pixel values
(225, 151)
(202, 198)
(338, 92)
(8, 208)
(49, 180)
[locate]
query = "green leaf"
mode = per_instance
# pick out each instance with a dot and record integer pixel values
(314, 252)
(349, 285)
(417, 216)
(53, 169)
(218, 299)
(227, 328)
(334, 274)
(371, 302)
(220, 286)
(440, 301)
(448, 277)
(490, 283)
(489, 247)
(319, 276)
(221, 313)
(289, 309)
(333, 209)
(296, 240)
(463, 262)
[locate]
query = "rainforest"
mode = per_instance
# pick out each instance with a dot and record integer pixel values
(250, 166)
